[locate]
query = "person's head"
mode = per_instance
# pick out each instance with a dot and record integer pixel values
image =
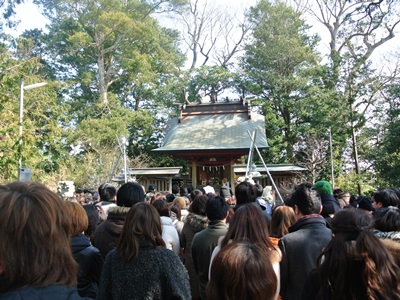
(259, 189)
(305, 200)
(175, 189)
(158, 196)
(175, 208)
(93, 217)
(78, 217)
(183, 191)
(181, 201)
(355, 263)
(245, 192)
(242, 270)
(387, 219)
(190, 188)
(35, 238)
(107, 192)
(365, 203)
(283, 217)
(323, 187)
(245, 226)
(142, 221)
(162, 208)
(198, 206)
(152, 188)
(129, 194)
(216, 209)
(386, 197)
(194, 194)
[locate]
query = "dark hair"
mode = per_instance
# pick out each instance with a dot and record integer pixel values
(175, 208)
(129, 194)
(142, 221)
(365, 203)
(307, 199)
(387, 219)
(175, 189)
(79, 220)
(93, 217)
(355, 264)
(107, 192)
(245, 226)
(245, 192)
(283, 217)
(388, 197)
(216, 208)
(242, 270)
(259, 189)
(152, 188)
(35, 238)
(183, 191)
(198, 206)
(194, 194)
(162, 208)
(190, 188)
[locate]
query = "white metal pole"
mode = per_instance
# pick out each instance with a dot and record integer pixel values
(332, 166)
(21, 112)
(124, 153)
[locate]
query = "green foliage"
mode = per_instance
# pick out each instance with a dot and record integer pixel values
(279, 65)
(210, 81)
(349, 183)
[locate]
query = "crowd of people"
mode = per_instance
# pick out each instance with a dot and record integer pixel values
(187, 243)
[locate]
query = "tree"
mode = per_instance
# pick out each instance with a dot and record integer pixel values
(212, 33)
(41, 142)
(357, 29)
(210, 81)
(279, 64)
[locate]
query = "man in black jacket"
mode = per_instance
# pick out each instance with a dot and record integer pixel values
(304, 242)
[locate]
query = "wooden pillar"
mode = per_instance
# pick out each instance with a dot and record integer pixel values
(232, 179)
(170, 184)
(194, 174)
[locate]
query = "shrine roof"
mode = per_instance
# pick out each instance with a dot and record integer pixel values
(214, 127)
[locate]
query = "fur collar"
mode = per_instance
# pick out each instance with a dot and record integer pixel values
(197, 222)
(118, 210)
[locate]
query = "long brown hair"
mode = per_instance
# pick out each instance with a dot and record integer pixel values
(282, 218)
(249, 225)
(242, 270)
(142, 220)
(355, 264)
(35, 241)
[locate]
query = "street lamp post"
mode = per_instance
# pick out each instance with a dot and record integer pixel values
(21, 115)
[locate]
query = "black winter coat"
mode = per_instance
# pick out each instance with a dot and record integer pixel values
(300, 249)
(157, 273)
(90, 264)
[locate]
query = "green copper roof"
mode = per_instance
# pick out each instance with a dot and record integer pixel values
(214, 132)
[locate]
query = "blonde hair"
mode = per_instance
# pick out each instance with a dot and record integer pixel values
(181, 201)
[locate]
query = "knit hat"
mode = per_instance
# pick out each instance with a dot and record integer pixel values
(365, 202)
(323, 187)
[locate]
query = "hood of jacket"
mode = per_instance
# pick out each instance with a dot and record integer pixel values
(197, 222)
(79, 243)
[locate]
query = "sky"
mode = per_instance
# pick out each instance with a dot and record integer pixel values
(31, 18)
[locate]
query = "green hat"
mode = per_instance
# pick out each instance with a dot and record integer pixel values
(323, 187)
